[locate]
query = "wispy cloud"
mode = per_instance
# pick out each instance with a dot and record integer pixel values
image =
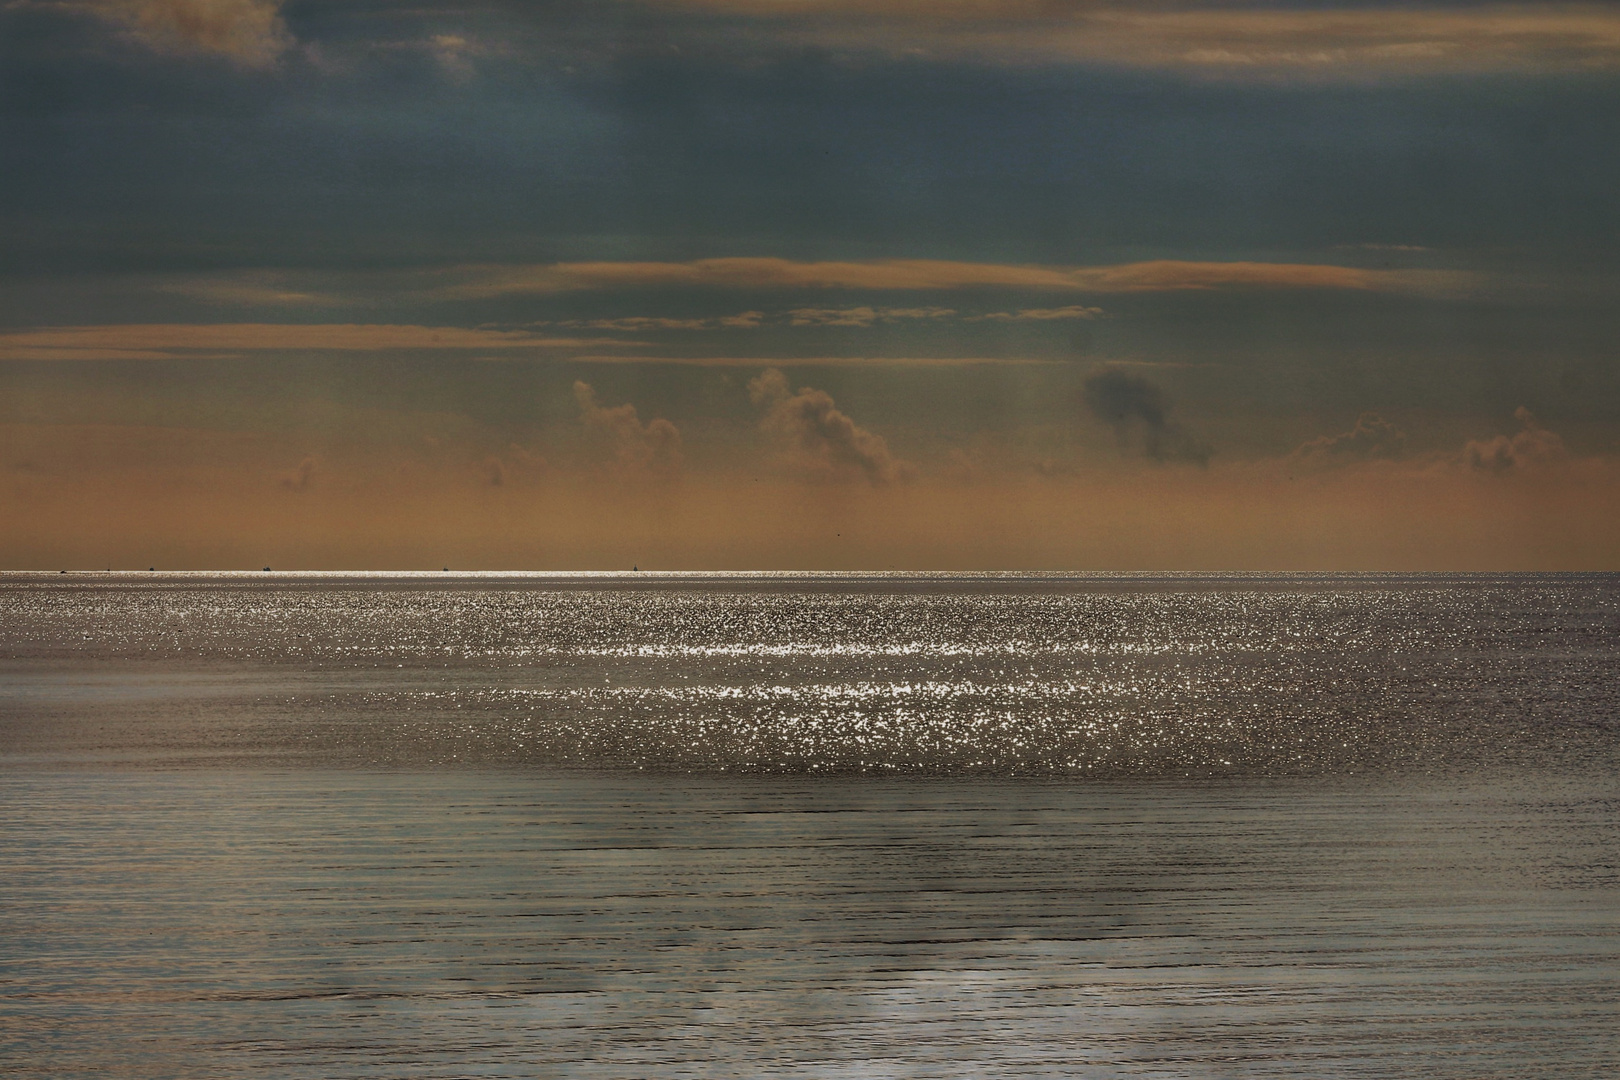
(250, 33)
(1163, 275)
(639, 322)
(165, 340)
(249, 291)
(813, 361)
(1384, 247)
(1072, 311)
(862, 316)
(1228, 40)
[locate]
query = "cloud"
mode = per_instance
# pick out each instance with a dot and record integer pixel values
(158, 340)
(1164, 275)
(250, 33)
(1073, 311)
(1372, 438)
(249, 292)
(1224, 40)
(300, 478)
(638, 322)
(1140, 414)
(635, 448)
(815, 361)
(817, 436)
(516, 463)
(753, 320)
(455, 53)
(862, 316)
(1533, 446)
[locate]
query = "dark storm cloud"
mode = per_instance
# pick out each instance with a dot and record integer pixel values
(1139, 413)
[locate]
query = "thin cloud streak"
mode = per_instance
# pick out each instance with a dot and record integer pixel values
(1072, 311)
(1230, 42)
(817, 361)
(249, 33)
(158, 340)
(1164, 275)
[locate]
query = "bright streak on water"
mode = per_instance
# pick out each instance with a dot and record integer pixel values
(809, 826)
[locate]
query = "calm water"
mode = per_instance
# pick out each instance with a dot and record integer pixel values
(445, 826)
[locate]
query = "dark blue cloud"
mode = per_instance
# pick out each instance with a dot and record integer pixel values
(570, 133)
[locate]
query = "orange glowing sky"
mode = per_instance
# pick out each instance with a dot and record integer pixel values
(737, 284)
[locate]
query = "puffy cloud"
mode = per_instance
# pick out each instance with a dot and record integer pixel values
(818, 437)
(249, 32)
(1139, 412)
(1162, 275)
(634, 447)
(1372, 438)
(1531, 447)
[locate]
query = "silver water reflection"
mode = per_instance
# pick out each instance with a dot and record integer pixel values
(1102, 676)
(497, 923)
(862, 827)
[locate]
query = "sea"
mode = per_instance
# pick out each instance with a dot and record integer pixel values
(307, 826)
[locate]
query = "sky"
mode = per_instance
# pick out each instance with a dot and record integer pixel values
(736, 284)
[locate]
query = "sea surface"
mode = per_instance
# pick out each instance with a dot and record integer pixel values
(320, 826)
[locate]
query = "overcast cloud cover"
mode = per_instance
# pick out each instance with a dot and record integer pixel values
(970, 283)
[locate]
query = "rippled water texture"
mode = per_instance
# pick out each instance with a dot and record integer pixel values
(1106, 676)
(870, 827)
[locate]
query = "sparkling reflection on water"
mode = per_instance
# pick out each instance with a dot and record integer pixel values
(1102, 676)
(849, 828)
